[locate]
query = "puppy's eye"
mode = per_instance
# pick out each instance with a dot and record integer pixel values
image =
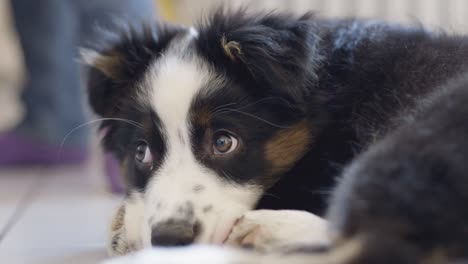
(224, 143)
(143, 154)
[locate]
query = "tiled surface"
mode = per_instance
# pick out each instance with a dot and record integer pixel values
(47, 216)
(14, 187)
(55, 216)
(59, 256)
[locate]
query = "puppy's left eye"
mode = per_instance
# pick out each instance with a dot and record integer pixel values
(224, 143)
(143, 154)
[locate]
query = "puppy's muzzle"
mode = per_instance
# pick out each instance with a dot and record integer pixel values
(173, 233)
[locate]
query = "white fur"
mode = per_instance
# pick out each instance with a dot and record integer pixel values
(189, 255)
(272, 230)
(175, 80)
(129, 235)
(218, 255)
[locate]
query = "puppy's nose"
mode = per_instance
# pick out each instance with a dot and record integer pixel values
(173, 233)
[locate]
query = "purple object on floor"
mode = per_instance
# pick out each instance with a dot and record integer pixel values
(17, 150)
(112, 170)
(21, 151)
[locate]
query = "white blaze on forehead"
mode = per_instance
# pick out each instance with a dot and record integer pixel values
(176, 78)
(174, 81)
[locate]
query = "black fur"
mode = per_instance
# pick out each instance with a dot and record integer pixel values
(278, 52)
(135, 49)
(389, 121)
(412, 185)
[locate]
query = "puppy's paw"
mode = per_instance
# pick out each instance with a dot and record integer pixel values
(119, 243)
(268, 230)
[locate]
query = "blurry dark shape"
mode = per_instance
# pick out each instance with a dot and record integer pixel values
(50, 32)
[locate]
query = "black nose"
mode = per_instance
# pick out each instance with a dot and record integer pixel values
(173, 233)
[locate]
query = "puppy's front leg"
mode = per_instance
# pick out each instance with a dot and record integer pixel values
(125, 232)
(269, 230)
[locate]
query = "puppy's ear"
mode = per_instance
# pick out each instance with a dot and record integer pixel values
(278, 49)
(106, 64)
(113, 69)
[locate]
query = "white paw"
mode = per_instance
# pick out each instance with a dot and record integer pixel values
(121, 242)
(267, 230)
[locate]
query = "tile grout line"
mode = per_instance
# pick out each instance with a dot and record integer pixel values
(22, 205)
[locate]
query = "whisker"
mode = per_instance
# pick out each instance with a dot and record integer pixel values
(265, 99)
(229, 177)
(92, 122)
(221, 109)
(272, 195)
(224, 105)
(256, 117)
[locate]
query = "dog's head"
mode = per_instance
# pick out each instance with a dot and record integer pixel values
(205, 119)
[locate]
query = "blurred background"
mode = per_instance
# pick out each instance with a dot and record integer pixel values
(55, 213)
(450, 15)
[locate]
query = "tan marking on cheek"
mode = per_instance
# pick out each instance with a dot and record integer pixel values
(231, 48)
(287, 146)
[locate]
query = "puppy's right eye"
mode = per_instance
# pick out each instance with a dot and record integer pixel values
(143, 154)
(224, 143)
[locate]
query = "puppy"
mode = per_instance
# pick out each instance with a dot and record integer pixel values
(274, 111)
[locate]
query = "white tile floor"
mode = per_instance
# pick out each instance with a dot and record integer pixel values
(47, 216)
(54, 216)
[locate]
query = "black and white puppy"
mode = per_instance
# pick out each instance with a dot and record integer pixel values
(265, 111)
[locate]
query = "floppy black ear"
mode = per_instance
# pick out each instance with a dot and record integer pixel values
(278, 49)
(114, 68)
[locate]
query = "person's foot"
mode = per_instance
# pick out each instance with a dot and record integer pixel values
(17, 150)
